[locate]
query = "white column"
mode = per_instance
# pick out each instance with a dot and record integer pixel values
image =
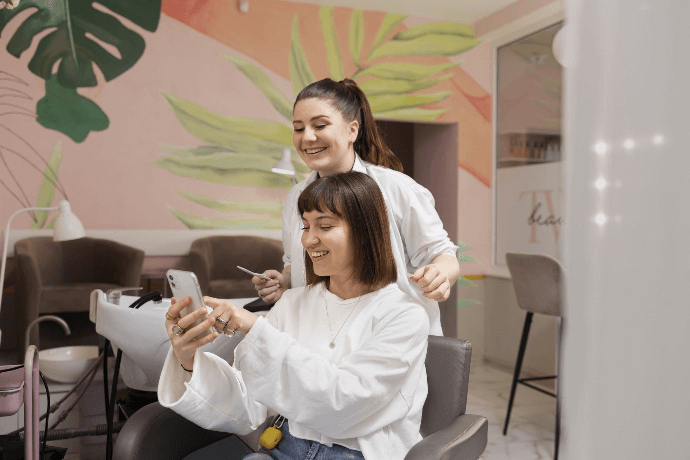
(626, 362)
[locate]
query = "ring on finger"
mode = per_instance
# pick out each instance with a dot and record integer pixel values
(222, 321)
(229, 332)
(167, 316)
(177, 329)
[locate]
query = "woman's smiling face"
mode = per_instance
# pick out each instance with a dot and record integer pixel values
(323, 139)
(327, 239)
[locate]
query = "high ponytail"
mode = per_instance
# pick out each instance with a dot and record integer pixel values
(352, 103)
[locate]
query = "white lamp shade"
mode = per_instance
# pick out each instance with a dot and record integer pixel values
(67, 225)
(285, 166)
(561, 51)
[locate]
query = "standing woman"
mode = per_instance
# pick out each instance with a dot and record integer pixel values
(335, 132)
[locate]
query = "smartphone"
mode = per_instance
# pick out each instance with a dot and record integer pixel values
(185, 284)
(263, 277)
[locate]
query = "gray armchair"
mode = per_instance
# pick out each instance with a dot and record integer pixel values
(214, 260)
(58, 277)
(158, 433)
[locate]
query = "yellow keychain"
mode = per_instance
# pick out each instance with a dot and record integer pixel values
(272, 435)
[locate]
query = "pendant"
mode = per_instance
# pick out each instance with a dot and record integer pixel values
(332, 345)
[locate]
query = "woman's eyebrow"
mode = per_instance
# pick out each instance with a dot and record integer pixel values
(312, 119)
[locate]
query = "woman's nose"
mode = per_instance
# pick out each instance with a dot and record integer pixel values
(309, 239)
(309, 135)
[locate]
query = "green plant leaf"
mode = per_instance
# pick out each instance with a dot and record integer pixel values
(250, 207)
(335, 65)
(46, 194)
(390, 22)
(242, 177)
(231, 223)
(426, 45)
(387, 102)
(70, 24)
(356, 35)
(442, 28)
(462, 303)
(200, 150)
(411, 114)
(216, 154)
(235, 134)
(463, 281)
(300, 72)
(66, 111)
(403, 70)
(464, 258)
(261, 80)
(379, 86)
(462, 247)
(225, 161)
(51, 224)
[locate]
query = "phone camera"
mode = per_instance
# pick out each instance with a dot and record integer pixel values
(172, 284)
(170, 276)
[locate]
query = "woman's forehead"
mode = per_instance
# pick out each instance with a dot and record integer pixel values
(313, 107)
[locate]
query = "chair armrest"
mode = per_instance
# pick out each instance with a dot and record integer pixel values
(464, 439)
(155, 432)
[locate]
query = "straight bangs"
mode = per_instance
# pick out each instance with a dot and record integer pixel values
(321, 196)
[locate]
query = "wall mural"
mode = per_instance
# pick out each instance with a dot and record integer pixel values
(242, 151)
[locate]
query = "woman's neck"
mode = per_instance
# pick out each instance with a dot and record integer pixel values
(347, 288)
(346, 166)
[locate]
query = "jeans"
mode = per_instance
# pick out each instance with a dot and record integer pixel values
(292, 448)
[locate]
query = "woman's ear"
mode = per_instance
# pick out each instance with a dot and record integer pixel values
(354, 130)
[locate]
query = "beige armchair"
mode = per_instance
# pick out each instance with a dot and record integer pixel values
(214, 260)
(58, 277)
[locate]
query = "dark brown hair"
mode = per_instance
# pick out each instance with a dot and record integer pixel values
(356, 198)
(348, 99)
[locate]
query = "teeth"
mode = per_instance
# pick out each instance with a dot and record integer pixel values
(316, 255)
(312, 151)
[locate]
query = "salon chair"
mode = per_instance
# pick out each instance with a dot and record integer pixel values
(157, 433)
(58, 277)
(214, 260)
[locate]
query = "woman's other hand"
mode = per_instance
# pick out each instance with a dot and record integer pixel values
(185, 344)
(233, 317)
(433, 282)
(271, 291)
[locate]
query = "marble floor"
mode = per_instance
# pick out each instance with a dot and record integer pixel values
(531, 429)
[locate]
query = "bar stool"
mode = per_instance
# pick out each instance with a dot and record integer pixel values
(537, 280)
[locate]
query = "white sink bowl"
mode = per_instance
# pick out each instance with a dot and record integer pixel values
(67, 364)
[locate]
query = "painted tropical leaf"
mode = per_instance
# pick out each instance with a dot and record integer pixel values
(463, 281)
(46, 193)
(462, 303)
(300, 72)
(412, 114)
(210, 149)
(426, 45)
(464, 258)
(390, 22)
(236, 134)
(66, 111)
(380, 86)
(335, 65)
(403, 70)
(71, 25)
(231, 223)
(263, 178)
(356, 35)
(462, 247)
(259, 78)
(390, 102)
(250, 207)
(442, 28)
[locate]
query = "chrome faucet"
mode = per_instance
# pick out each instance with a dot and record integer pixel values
(113, 295)
(57, 319)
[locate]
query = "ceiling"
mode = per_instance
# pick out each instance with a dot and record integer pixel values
(468, 11)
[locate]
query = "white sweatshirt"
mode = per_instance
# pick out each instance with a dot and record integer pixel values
(367, 393)
(417, 234)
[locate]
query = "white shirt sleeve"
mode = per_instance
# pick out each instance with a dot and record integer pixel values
(360, 395)
(421, 228)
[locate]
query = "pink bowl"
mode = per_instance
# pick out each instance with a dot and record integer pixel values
(11, 390)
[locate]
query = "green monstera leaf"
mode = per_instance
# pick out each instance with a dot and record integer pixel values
(78, 28)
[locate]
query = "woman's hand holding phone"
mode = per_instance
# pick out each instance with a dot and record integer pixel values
(186, 343)
(235, 318)
(271, 291)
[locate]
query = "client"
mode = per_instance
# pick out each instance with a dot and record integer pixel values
(341, 359)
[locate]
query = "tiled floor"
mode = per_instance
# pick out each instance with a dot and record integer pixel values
(531, 429)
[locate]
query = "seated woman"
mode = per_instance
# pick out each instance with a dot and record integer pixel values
(342, 358)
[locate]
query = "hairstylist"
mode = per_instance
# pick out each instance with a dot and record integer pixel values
(342, 358)
(334, 131)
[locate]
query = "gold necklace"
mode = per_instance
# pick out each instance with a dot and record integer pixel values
(332, 344)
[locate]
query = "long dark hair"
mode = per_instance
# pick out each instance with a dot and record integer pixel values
(356, 198)
(348, 99)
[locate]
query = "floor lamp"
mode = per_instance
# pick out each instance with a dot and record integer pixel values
(285, 166)
(67, 227)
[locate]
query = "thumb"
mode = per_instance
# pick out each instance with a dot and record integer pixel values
(416, 276)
